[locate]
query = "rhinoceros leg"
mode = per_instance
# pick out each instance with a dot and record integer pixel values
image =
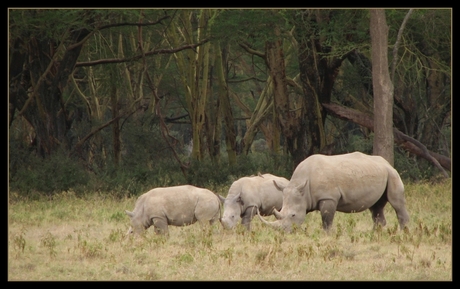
(378, 215)
(161, 226)
(327, 209)
(247, 216)
(395, 195)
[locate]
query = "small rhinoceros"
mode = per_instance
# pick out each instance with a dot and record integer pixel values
(177, 206)
(248, 194)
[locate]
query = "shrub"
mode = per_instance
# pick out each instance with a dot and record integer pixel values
(57, 173)
(206, 172)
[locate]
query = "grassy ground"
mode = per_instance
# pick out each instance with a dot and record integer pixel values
(71, 238)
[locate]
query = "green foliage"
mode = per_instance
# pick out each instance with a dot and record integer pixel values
(207, 173)
(252, 25)
(147, 160)
(361, 144)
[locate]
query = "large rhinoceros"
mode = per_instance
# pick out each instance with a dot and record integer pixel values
(346, 183)
(249, 193)
(176, 206)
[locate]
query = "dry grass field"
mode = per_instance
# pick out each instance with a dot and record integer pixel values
(70, 238)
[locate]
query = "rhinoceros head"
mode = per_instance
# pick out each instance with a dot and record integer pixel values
(232, 211)
(137, 226)
(294, 207)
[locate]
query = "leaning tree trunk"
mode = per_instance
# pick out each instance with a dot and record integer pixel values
(410, 144)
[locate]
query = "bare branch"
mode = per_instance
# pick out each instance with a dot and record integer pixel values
(93, 132)
(174, 119)
(149, 23)
(398, 40)
(246, 47)
(137, 57)
(43, 76)
(246, 79)
(115, 25)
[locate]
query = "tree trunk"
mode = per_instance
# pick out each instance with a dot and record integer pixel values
(37, 90)
(115, 126)
(438, 103)
(290, 120)
(317, 76)
(382, 87)
(263, 108)
(193, 68)
(225, 109)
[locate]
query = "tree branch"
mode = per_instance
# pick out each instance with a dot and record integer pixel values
(93, 132)
(115, 25)
(137, 57)
(246, 79)
(174, 119)
(398, 40)
(134, 23)
(42, 77)
(248, 49)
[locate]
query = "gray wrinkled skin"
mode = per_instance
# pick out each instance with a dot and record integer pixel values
(346, 183)
(175, 206)
(248, 194)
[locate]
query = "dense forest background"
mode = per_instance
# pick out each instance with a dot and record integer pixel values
(123, 100)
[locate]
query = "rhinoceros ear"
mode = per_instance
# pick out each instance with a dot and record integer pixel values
(240, 200)
(222, 199)
(130, 214)
(278, 186)
(302, 188)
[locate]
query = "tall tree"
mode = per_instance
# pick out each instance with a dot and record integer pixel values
(382, 87)
(41, 62)
(194, 69)
(225, 109)
(320, 57)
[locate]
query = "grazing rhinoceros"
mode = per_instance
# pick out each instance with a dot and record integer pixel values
(346, 183)
(176, 206)
(249, 193)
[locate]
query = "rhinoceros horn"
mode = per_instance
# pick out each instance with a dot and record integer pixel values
(274, 224)
(277, 214)
(131, 214)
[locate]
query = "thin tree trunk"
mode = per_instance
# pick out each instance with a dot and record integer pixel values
(382, 87)
(115, 126)
(225, 109)
(290, 119)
